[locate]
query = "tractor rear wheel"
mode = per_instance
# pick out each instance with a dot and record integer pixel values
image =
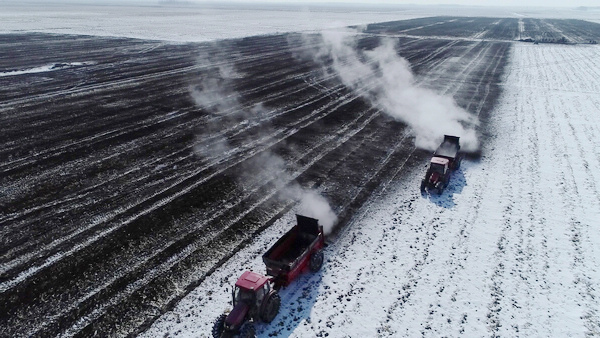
(219, 326)
(271, 307)
(439, 187)
(247, 331)
(316, 261)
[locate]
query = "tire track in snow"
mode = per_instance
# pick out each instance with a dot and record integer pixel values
(466, 71)
(519, 260)
(456, 262)
(574, 199)
(348, 300)
(303, 293)
(543, 283)
(413, 288)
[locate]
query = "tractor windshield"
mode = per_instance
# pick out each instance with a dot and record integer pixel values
(437, 168)
(243, 295)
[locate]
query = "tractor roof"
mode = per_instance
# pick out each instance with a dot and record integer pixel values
(251, 280)
(439, 160)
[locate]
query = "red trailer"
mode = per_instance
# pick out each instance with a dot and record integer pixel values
(299, 249)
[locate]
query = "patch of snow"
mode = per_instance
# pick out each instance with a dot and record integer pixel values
(43, 69)
(214, 22)
(182, 24)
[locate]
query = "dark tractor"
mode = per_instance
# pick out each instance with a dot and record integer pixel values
(446, 158)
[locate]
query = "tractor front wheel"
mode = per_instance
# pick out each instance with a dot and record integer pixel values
(219, 326)
(316, 261)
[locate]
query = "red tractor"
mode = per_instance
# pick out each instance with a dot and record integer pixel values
(254, 299)
(446, 158)
(255, 296)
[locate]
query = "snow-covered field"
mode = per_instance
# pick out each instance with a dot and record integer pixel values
(183, 24)
(510, 249)
(207, 23)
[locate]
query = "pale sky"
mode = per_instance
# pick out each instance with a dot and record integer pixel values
(486, 3)
(483, 3)
(540, 3)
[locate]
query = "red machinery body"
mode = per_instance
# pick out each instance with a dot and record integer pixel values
(446, 158)
(255, 296)
(297, 250)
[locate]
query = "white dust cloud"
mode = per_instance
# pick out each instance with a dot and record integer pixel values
(386, 80)
(216, 95)
(316, 206)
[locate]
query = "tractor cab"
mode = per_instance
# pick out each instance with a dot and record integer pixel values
(254, 299)
(439, 165)
(445, 159)
(437, 174)
(251, 288)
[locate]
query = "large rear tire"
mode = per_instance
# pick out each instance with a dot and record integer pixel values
(219, 326)
(439, 187)
(247, 331)
(316, 261)
(270, 308)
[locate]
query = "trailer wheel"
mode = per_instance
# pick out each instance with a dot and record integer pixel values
(247, 331)
(270, 308)
(316, 261)
(422, 186)
(219, 326)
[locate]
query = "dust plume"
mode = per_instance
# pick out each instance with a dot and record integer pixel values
(316, 206)
(227, 115)
(386, 80)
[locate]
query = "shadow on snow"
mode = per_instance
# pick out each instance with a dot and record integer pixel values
(297, 301)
